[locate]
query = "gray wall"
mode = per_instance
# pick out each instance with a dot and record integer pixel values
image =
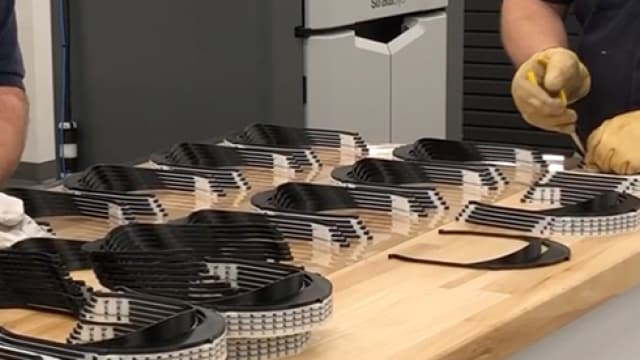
(149, 73)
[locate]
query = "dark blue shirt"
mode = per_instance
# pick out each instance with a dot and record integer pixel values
(11, 65)
(610, 48)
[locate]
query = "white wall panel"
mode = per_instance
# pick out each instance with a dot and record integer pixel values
(34, 29)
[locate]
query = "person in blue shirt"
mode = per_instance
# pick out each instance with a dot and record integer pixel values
(600, 80)
(13, 99)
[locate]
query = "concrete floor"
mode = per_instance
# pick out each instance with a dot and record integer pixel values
(610, 332)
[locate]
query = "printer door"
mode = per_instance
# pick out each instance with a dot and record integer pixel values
(348, 81)
(419, 79)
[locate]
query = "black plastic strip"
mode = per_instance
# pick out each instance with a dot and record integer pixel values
(538, 252)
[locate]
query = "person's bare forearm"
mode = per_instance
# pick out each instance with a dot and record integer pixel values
(529, 26)
(13, 128)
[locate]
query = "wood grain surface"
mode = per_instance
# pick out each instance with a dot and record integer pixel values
(386, 309)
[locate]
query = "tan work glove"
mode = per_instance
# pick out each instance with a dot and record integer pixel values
(554, 70)
(613, 147)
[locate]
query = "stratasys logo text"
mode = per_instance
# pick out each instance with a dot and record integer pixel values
(375, 4)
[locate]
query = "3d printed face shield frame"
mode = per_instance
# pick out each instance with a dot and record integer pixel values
(210, 158)
(250, 242)
(427, 149)
(353, 208)
(380, 172)
(43, 203)
(606, 214)
(119, 324)
(70, 252)
(200, 334)
(289, 137)
(258, 300)
(538, 252)
(570, 187)
(270, 309)
(303, 198)
(118, 179)
(131, 185)
(291, 226)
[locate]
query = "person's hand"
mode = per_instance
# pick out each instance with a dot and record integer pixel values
(554, 70)
(613, 147)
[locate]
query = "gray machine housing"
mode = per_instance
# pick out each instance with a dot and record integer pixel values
(378, 66)
(198, 69)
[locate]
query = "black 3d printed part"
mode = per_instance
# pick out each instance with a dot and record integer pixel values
(123, 179)
(538, 252)
(110, 325)
(371, 171)
(254, 296)
(255, 242)
(209, 157)
(605, 214)
(427, 149)
(303, 198)
(131, 185)
(43, 203)
(291, 137)
(69, 251)
(291, 226)
(264, 303)
(570, 187)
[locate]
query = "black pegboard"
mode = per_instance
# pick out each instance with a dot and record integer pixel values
(489, 113)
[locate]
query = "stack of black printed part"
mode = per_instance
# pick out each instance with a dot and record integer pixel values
(330, 146)
(120, 324)
(267, 154)
(257, 165)
(607, 213)
(320, 245)
(176, 192)
(85, 216)
(571, 187)
(386, 215)
(520, 165)
(291, 226)
(579, 204)
(241, 271)
(123, 182)
(457, 182)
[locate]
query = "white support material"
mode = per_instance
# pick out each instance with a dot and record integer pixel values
(419, 79)
(326, 14)
(348, 84)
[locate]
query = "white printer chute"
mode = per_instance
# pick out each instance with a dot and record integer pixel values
(378, 66)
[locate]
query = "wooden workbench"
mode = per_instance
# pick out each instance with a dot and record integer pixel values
(386, 309)
(391, 310)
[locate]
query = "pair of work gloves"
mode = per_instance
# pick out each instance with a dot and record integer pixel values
(551, 80)
(15, 225)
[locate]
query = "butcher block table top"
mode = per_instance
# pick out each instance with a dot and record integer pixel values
(387, 309)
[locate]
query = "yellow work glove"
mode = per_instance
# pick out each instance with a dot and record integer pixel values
(539, 101)
(613, 147)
